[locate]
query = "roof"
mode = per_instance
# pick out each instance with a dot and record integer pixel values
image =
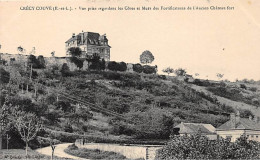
(88, 38)
(242, 123)
(191, 128)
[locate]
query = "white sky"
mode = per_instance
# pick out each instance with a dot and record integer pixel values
(204, 42)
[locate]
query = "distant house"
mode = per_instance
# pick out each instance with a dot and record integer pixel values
(90, 43)
(237, 126)
(194, 128)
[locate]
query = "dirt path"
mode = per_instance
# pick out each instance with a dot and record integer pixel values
(59, 151)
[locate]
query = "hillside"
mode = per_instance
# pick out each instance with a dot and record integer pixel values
(121, 105)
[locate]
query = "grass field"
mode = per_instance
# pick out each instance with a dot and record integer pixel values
(19, 154)
(93, 154)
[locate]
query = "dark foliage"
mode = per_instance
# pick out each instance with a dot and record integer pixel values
(65, 70)
(4, 76)
(114, 66)
(197, 147)
(138, 68)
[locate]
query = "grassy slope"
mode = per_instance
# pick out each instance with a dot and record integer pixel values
(176, 99)
(235, 104)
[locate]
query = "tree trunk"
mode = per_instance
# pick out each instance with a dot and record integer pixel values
(26, 149)
(52, 154)
(1, 142)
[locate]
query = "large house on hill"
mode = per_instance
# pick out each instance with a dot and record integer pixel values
(90, 43)
(237, 126)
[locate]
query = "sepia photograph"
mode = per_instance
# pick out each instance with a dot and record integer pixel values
(129, 80)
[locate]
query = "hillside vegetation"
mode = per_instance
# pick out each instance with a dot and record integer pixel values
(117, 105)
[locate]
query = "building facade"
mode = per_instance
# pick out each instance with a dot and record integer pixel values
(237, 126)
(90, 43)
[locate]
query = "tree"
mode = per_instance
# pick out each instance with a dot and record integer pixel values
(180, 72)
(4, 76)
(20, 50)
(28, 125)
(112, 65)
(138, 68)
(41, 62)
(96, 63)
(32, 61)
(149, 69)
(76, 53)
(65, 70)
(199, 147)
(219, 75)
(168, 70)
(146, 57)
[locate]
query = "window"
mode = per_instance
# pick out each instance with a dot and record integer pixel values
(256, 136)
(252, 136)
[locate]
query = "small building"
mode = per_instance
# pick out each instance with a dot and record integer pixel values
(237, 126)
(194, 128)
(90, 43)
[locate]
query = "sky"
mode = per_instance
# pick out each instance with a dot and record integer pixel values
(204, 42)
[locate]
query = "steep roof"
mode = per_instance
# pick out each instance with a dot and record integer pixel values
(88, 38)
(191, 128)
(242, 123)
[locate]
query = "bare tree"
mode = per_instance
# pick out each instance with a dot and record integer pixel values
(220, 75)
(28, 125)
(180, 72)
(53, 53)
(20, 50)
(168, 70)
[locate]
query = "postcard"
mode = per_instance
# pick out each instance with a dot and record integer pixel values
(129, 80)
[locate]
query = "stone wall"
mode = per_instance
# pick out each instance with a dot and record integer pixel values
(50, 61)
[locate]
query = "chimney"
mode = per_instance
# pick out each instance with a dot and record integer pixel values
(73, 35)
(250, 117)
(233, 120)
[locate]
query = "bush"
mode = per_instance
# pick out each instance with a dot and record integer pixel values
(64, 136)
(243, 86)
(197, 147)
(138, 68)
(4, 76)
(253, 89)
(149, 69)
(65, 70)
(93, 154)
(114, 66)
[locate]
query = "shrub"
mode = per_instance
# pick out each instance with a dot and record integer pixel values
(4, 76)
(93, 154)
(243, 86)
(114, 66)
(112, 76)
(63, 136)
(138, 68)
(65, 70)
(149, 69)
(253, 89)
(197, 147)
(78, 62)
